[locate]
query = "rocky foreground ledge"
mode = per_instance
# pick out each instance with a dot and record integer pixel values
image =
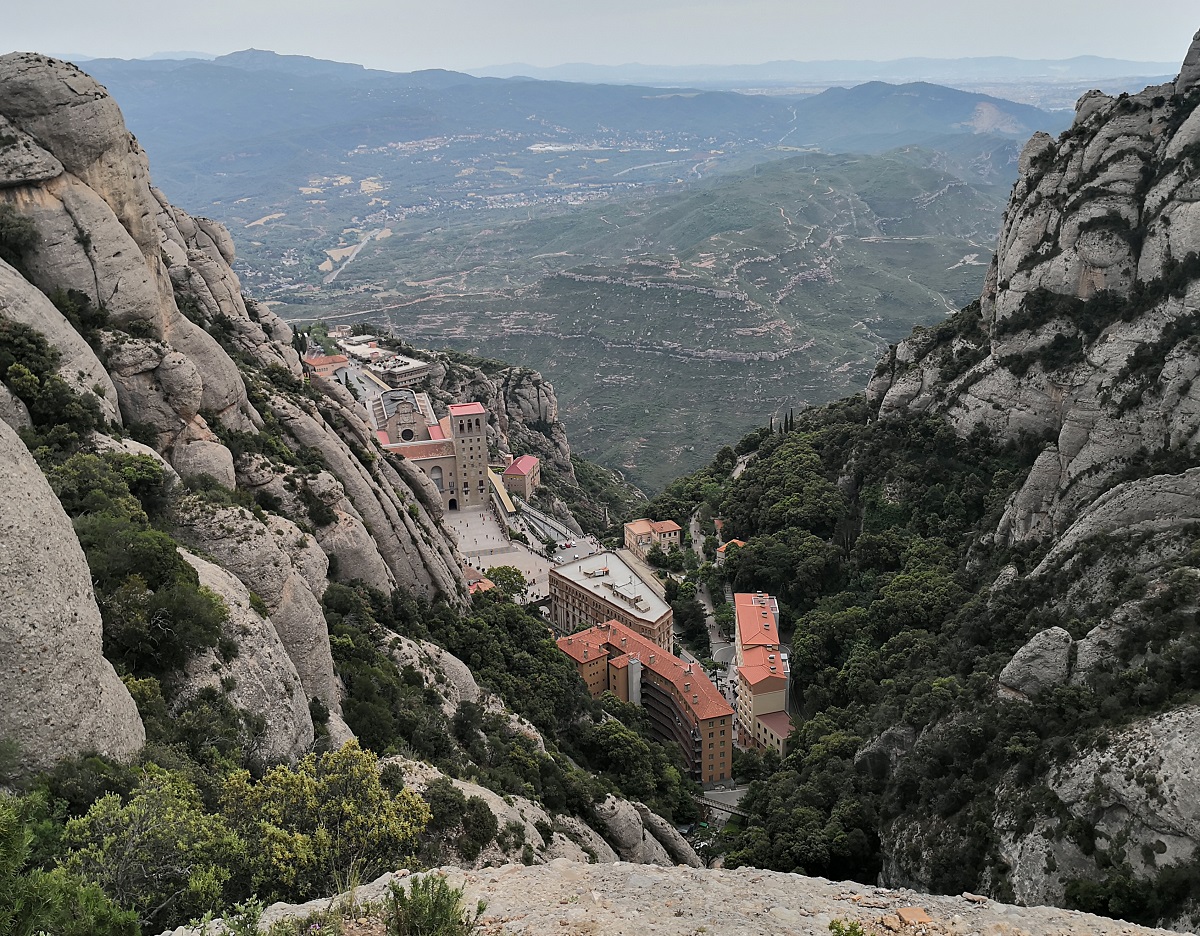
(566, 898)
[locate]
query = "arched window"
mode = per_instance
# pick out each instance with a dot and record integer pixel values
(435, 475)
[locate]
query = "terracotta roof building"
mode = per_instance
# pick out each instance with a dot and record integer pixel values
(523, 476)
(725, 549)
(452, 452)
(683, 705)
(763, 673)
(643, 535)
(324, 365)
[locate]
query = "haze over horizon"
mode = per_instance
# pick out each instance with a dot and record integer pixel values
(472, 35)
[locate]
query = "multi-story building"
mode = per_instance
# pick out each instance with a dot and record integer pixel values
(523, 476)
(452, 451)
(643, 535)
(763, 674)
(682, 704)
(602, 587)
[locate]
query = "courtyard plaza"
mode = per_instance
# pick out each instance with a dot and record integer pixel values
(482, 540)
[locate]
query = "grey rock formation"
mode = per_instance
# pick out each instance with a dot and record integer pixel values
(1141, 793)
(78, 365)
(1044, 662)
(255, 553)
(676, 845)
(570, 897)
(59, 696)
(623, 827)
(1110, 208)
(97, 224)
(408, 541)
(12, 410)
(100, 444)
(264, 681)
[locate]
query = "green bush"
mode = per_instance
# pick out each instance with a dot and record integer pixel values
(429, 907)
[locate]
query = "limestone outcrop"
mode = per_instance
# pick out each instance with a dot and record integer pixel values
(1083, 340)
(1082, 331)
(257, 553)
(259, 678)
(78, 364)
(624, 828)
(1139, 794)
(59, 696)
(181, 352)
(1041, 664)
(570, 897)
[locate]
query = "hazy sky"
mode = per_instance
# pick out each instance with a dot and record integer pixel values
(402, 35)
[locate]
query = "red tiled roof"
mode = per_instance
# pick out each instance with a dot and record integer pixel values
(323, 359)
(664, 526)
(435, 433)
(759, 667)
(733, 542)
(778, 722)
(709, 703)
(522, 466)
(467, 409)
(756, 624)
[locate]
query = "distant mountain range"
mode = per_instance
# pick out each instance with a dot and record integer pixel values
(256, 124)
(991, 68)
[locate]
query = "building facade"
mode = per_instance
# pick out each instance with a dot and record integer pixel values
(763, 674)
(451, 452)
(589, 591)
(682, 704)
(523, 476)
(643, 535)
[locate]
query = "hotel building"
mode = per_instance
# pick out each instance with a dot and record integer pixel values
(683, 705)
(763, 674)
(600, 588)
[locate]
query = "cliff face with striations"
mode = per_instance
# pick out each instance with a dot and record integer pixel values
(185, 363)
(1085, 338)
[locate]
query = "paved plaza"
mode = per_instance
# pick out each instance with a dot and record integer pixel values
(481, 539)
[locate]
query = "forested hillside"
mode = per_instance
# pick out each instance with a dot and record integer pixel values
(988, 565)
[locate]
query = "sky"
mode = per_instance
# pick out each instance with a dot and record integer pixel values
(403, 35)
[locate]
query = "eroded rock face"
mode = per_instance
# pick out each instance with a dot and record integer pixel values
(629, 836)
(1141, 793)
(1107, 214)
(262, 677)
(1041, 664)
(59, 696)
(78, 364)
(258, 555)
(97, 222)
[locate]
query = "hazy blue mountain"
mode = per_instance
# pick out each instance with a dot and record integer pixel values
(877, 116)
(257, 124)
(990, 68)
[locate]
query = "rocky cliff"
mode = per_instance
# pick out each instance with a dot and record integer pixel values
(567, 897)
(1085, 340)
(174, 356)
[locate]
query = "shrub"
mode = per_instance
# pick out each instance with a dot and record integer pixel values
(429, 907)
